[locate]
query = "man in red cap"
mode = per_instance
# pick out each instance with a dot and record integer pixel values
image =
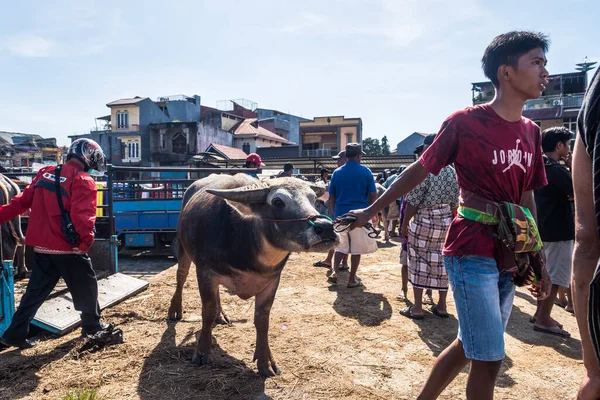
(253, 161)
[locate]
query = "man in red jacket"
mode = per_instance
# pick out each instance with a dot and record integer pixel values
(55, 257)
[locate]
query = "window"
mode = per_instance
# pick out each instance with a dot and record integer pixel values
(122, 120)
(179, 144)
(570, 124)
(131, 149)
(246, 148)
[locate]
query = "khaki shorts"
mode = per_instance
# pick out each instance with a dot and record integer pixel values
(558, 261)
(393, 211)
(356, 241)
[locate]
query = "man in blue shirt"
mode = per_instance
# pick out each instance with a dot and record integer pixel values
(352, 186)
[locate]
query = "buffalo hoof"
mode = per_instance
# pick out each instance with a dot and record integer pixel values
(267, 367)
(223, 320)
(201, 359)
(175, 313)
(22, 275)
(267, 371)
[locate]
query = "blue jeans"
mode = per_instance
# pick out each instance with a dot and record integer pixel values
(484, 298)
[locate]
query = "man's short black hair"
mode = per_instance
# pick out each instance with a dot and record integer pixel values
(551, 137)
(506, 49)
(288, 167)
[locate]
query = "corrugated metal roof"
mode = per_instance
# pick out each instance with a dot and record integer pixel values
(230, 152)
(17, 137)
(124, 102)
(375, 163)
(249, 127)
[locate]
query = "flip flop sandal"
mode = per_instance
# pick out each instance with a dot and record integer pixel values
(402, 297)
(407, 312)
(552, 331)
(357, 283)
(321, 264)
(561, 305)
(428, 301)
(436, 312)
(533, 320)
(332, 279)
(344, 267)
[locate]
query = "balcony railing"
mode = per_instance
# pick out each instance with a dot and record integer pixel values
(569, 101)
(573, 101)
(319, 153)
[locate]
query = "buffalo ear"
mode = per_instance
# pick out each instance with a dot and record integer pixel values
(253, 194)
(318, 188)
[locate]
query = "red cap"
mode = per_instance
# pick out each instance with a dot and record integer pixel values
(255, 158)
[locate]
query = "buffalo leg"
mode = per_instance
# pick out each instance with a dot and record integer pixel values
(209, 292)
(222, 318)
(183, 269)
(262, 311)
(19, 262)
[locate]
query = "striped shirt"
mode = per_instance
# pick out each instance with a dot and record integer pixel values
(588, 126)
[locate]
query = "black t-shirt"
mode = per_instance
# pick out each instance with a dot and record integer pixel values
(556, 220)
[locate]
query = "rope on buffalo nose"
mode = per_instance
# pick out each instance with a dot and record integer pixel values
(344, 222)
(310, 219)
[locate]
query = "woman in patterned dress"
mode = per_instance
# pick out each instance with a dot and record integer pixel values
(429, 211)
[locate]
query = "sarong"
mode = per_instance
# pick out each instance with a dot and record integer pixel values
(426, 237)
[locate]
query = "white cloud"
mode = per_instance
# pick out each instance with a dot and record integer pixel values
(306, 20)
(395, 22)
(30, 46)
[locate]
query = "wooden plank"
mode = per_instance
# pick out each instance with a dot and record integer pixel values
(58, 315)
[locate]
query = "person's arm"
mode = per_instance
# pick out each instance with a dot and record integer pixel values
(19, 204)
(413, 176)
(371, 187)
(332, 204)
(563, 180)
(83, 209)
(332, 192)
(409, 213)
(587, 250)
(442, 152)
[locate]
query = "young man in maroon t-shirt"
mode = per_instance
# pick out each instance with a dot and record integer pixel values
(497, 155)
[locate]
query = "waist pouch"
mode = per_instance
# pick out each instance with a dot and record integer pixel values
(517, 232)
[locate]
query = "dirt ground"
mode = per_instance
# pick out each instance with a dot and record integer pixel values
(330, 342)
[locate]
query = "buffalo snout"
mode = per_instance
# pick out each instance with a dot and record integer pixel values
(324, 228)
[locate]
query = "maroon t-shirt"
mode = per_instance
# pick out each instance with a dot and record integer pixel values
(495, 158)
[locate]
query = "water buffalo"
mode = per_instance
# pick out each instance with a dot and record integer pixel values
(239, 233)
(12, 235)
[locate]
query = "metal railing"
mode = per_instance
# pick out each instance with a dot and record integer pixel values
(319, 153)
(129, 128)
(545, 102)
(573, 101)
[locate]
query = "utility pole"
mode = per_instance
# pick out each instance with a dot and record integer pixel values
(585, 66)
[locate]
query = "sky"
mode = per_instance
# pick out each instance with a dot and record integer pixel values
(400, 65)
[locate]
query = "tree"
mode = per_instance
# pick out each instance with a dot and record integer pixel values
(385, 146)
(372, 147)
